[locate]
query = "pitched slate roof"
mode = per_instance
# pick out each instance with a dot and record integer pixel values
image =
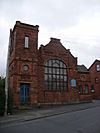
(96, 61)
(82, 68)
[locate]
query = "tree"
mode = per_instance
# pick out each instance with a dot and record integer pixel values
(2, 96)
(10, 102)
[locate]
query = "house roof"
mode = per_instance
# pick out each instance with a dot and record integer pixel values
(82, 68)
(94, 63)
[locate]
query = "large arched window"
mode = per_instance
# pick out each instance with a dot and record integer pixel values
(55, 75)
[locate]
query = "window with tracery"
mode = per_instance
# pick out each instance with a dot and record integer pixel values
(55, 75)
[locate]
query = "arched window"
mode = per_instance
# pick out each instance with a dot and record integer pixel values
(55, 75)
(80, 89)
(86, 89)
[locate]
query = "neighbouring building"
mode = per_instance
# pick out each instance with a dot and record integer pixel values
(95, 79)
(84, 83)
(45, 75)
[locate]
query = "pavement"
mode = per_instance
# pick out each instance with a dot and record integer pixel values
(38, 113)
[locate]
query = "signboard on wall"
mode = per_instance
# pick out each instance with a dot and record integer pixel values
(73, 82)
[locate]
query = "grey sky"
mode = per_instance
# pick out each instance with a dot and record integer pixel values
(75, 22)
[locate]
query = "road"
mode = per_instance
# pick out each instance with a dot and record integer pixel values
(83, 121)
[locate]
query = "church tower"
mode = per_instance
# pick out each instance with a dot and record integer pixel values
(23, 47)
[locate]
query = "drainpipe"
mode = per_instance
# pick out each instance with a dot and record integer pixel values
(7, 76)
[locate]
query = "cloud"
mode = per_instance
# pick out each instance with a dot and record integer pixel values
(51, 13)
(75, 22)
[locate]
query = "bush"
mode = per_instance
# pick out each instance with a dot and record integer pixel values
(10, 102)
(2, 96)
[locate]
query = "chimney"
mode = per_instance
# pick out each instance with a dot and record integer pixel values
(54, 40)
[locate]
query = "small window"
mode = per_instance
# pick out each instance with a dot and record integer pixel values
(98, 67)
(26, 45)
(96, 80)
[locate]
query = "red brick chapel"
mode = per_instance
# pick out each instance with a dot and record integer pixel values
(45, 75)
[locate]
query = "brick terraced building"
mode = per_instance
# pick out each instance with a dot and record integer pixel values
(95, 79)
(45, 75)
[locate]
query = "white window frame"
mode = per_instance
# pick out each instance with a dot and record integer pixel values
(26, 44)
(98, 67)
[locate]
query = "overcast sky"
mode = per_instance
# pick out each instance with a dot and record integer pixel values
(75, 22)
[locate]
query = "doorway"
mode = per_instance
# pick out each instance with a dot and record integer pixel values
(24, 93)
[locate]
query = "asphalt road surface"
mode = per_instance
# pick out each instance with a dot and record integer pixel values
(83, 121)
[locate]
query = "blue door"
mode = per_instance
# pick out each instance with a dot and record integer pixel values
(24, 93)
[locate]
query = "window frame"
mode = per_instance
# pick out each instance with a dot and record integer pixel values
(98, 67)
(26, 42)
(57, 79)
